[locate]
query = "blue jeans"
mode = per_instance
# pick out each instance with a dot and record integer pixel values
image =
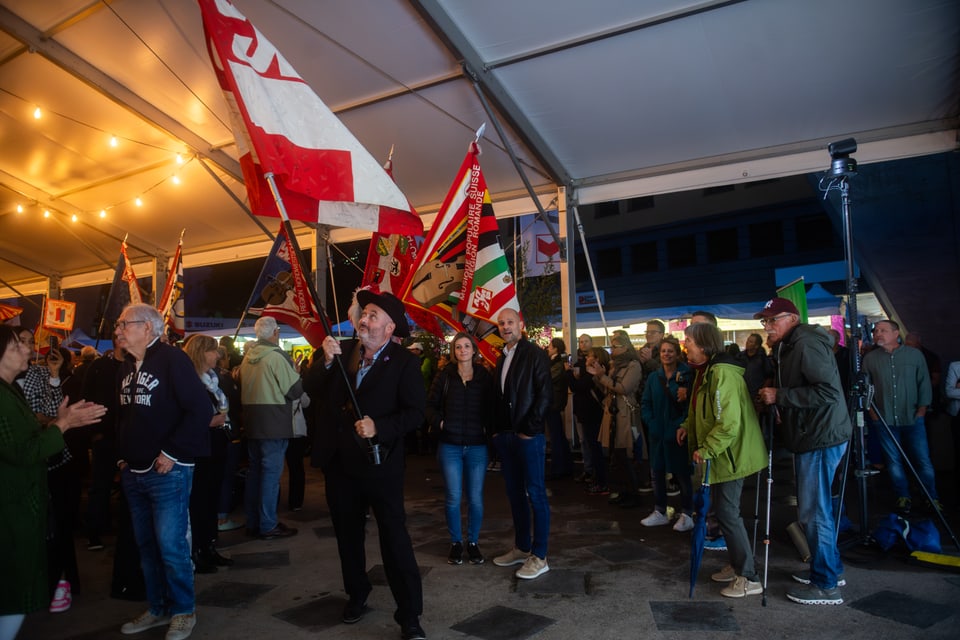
(815, 472)
(262, 490)
(463, 466)
(913, 439)
(160, 511)
(522, 465)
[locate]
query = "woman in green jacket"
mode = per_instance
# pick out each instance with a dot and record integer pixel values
(25, 446)
(722, 427)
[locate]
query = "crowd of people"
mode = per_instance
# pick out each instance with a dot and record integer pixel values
(174, 425)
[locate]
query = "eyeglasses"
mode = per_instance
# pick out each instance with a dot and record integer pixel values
(766, 321)
(122, 324)
(617, 346)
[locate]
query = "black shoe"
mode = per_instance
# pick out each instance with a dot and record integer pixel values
(203, 564)
(629, 501)
(212, 555)
(279, 531)
(473, 552)
(456, 554)
(354, 611)
(95, 544)
(413, 632)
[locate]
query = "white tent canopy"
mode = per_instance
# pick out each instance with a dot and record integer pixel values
(609, 99)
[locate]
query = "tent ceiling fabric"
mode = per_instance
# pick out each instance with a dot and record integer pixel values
(591, 94)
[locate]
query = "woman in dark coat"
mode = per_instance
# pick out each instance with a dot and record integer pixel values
(25, 446)
(460, 409)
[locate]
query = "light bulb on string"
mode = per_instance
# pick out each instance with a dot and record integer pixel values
(46, 213)
(19, 208)
(103, 213)
(73, 218)
(179, 158)
(138, 201)
(37, 114)
(175, 179)
(113, 141)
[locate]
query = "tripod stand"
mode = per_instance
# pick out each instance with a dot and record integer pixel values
(862, 392)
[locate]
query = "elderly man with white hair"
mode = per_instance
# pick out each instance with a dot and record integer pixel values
(269, 383)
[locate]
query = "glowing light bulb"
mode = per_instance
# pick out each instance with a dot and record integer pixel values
(19, 208)
(179, 159)
(46, 213)
(103, 213)
(138, 202)
(37, 113)
(73, 218)
(113, 141)
(176, 179)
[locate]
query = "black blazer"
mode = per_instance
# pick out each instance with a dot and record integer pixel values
(391, 393)
(523, 402)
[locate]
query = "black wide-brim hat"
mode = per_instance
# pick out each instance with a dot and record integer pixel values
(392, 305)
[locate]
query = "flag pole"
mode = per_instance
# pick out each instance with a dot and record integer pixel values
(374, 446)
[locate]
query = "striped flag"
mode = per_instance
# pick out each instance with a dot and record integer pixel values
(281, 126)
(462, 275)
(171, 302)
(59, 314)
(123, 291)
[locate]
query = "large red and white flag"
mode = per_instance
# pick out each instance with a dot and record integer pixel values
(171, 302)
(281, 126)
(462, 275)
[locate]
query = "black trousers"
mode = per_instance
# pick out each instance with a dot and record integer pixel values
(205, 494)
(349, 499)
(296, 474)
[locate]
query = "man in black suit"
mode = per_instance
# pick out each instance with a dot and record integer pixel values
(386, 381)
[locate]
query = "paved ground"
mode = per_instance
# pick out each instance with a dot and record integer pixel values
(610, 578)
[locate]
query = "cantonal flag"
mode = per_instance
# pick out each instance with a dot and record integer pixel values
(282, 127)
(59, 314)
(461, 275)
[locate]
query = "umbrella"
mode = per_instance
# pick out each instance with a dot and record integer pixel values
(701, 502)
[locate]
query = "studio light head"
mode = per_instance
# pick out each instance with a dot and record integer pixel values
(841, 164)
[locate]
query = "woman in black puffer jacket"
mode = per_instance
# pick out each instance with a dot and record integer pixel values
(460, 410)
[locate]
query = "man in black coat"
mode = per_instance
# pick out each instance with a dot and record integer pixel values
(524, 390)
(386, 381)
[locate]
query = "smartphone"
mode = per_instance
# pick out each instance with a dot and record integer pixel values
(54, 343)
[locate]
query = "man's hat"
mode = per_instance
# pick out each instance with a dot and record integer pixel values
(775, 307)
(392, 305)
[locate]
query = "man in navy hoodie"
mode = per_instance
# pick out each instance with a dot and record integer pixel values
(163, 425)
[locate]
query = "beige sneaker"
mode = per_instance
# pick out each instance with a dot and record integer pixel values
(727, 574)
(534, 567)
(741, 587)
(181, 626)
(514, 556)
(142, 622)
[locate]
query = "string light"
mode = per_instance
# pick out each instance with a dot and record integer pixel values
(46, 213)
(103, 213)
(179, 159)
(37, 113)
(19, 208)
(113, 141)
(138, 201)
(73, 218)
(175, 179)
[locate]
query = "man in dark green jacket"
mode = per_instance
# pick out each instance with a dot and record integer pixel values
(813, 415)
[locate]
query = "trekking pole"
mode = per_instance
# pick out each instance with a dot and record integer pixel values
(769, 417)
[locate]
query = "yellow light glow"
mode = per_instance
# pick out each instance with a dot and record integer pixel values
(113, 141)
(37, 113)
(19, 208)
(46, 214)
(103, 213)
(176, 179)
(138, 202)
(179, 159)
(73, 218)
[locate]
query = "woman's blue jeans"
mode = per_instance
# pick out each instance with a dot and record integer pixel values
(464, 469)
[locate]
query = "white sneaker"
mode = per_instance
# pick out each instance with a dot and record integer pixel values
(181, 626)
(514, 556)
(534, 567)
(741, 587)
(684, 523)
(144, 621)
(655, 519)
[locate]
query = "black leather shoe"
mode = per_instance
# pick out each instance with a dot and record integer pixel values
(354, 611)
(212, 555)
(203, 564)
(279, 531)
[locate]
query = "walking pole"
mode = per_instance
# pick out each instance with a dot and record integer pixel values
(756, 513)
(769, 417)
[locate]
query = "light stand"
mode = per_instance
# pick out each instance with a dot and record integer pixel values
(842, 167)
